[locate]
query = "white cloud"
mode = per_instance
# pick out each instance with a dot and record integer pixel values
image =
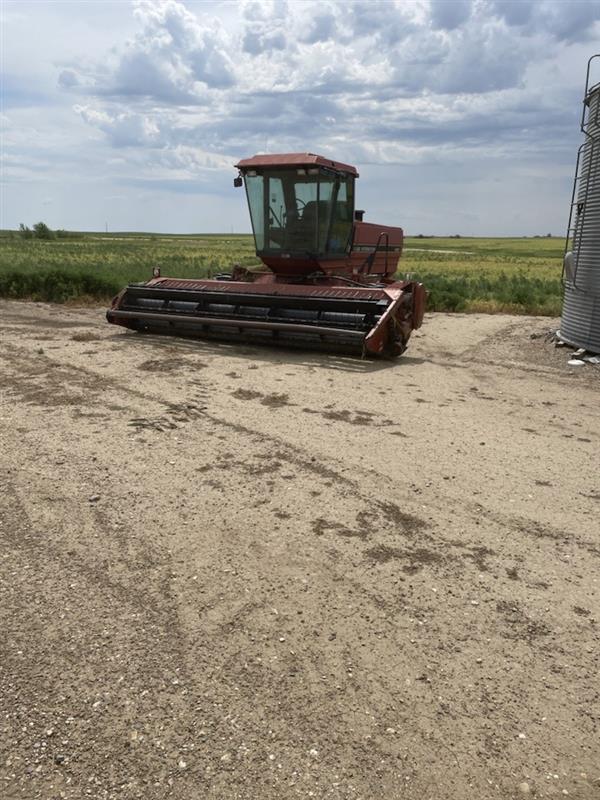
(265, 26)
(124, 129)
(186, 89)
(172, 58)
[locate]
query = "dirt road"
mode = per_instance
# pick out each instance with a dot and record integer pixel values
(246, 573)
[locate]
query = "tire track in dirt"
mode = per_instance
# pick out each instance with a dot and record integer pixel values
(73, 566)
(122, 695)
(263, 683)
(181, 413)
(166, 667)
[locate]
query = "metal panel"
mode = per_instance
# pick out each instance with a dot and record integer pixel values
(294, 160)
(580, 323)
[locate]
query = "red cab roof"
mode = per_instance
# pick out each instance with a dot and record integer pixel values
(294, 160)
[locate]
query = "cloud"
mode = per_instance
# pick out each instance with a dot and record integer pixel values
(126, 129)
(485, 58)
(321, 28)
(187, 89)
(68, 79)
(379, 77)
(572, 21)
(173, 58)
(17, 92)
(449, 15)
(388, 23)
(265, 26)
(512, 12)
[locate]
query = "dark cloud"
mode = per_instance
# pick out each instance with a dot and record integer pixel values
(513, 12)
(486, 61)
(254, 119)
(477, 130)
(68, 79)
(477, 59)
(139, 74)
(449, 14)
(322, 27)
(256, 42)
(386, 21)
(572, 21)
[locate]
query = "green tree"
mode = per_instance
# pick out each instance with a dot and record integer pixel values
(25, 232)
(42, 231)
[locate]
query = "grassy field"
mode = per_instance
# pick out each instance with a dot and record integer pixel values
(467, 274)
(520, 276)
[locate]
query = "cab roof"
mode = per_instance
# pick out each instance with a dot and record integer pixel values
(295, 160)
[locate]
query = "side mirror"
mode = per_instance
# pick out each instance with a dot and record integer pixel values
(237, 182)
(358, 215)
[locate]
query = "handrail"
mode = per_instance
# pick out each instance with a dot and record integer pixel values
(371, 257)
(585, 96)
(575, 231)
(570, 227)
(580, 193)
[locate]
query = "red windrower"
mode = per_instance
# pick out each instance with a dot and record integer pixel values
(327, 281)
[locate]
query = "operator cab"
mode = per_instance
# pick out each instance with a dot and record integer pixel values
(301, 205)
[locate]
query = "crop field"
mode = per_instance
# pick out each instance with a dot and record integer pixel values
(510, 275)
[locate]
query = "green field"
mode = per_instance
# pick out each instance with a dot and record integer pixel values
(520, 275)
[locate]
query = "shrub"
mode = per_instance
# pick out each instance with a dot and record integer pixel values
(42, 231)
(515, 294)
(56, 285)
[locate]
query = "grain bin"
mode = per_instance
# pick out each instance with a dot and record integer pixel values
(580, 325)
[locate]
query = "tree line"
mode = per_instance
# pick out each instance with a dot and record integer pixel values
(41, 231)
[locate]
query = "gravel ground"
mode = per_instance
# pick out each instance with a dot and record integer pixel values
(232, 572)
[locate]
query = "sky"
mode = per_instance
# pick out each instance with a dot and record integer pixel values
(462, 116)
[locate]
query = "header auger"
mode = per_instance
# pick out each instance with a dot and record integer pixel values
(327, 281)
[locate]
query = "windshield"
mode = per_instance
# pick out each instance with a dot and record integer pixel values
(305, 210)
